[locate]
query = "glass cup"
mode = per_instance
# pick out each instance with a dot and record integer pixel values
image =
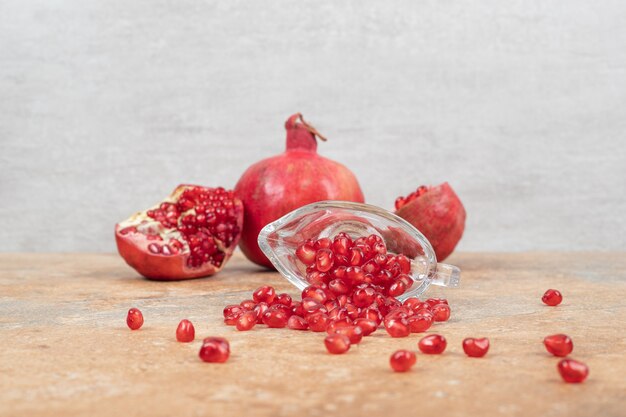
(279, 240)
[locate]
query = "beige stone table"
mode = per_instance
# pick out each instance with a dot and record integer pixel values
(66, 349)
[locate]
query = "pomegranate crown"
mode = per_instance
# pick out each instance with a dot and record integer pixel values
(301, 135)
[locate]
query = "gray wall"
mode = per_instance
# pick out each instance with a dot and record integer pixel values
(105, 106)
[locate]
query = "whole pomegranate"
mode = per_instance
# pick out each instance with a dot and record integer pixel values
(438, 213)
(275, 186)
(191, 234)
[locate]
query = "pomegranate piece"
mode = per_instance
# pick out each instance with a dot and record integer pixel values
(318, 322)
(368, 326)
(275, 318)
(433, 344)
(191, 234)
(214, 349)
(572, 371)
(559, 345)
(475, 348)
(402, 360)
(264, 294)
(438, 213)
(419, 323)
(552, 298)
(306, 253)
(268, 188)
(134, 319)
(246, 321)
(441, 312)
(284, 299)
(185, 332)
(337, 343)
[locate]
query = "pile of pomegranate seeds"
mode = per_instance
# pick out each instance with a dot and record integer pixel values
(214, 349)
(134, 319)
(354, 285)
(185, 332)
(402, 360)
(552, 298)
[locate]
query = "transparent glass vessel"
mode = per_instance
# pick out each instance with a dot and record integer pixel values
(279, 240)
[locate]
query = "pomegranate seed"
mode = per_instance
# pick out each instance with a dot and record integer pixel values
(185, 332)
(317, 322)
(324, 260)
(396, 289)
(337, 343)
(397, 327)
(572, 371)
(214, 349)
(323, 243)
(297, 323)
(412, 303)
(284, 299)
(419, 323)
(363, 297)
(246, 321)
(354, 333)
(441, 312)
(559, 344)
(309, 305)
(260, 310)
(134, 319)
(334, 324)
(356, 256)
(233, 309)
(338, 286)
(368, 326)
(314, 292)
(265, 294)
(405, 264)
(341, 245)
(372, 313)
(306, 253)
(248, 305)
(402, 360)
(552, 298)
(275, 318)
(433, 344)
(434, 301)
(475, 348)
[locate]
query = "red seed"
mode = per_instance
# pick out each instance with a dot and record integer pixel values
(318, 322)
(233, 309)
(134, 319)
(397, 288)
(248, 304)
(363, 297)
(434, 301)
(354, 333)
(341, 245)
(552, 298)
(397, 327)
(402, 360)
(475, 348)
(323, 243)
(432, 344)
(419, 323)
(572, 371)
(306, 253)
(314, 292)
(338, 286)
(246, 321)
(185, 332)
(275, 318)
(441, 312)
(265, 294)
(559, 344)
(260, 310)
(368, 326)
(337, 343)
(214, 349)
(334, 324)
(284, 299)
(297, 323)
(324, 260)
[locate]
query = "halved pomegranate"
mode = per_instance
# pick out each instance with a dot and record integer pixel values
(438, 213)
(191, 234)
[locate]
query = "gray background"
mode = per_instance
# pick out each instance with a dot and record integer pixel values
(105, 106)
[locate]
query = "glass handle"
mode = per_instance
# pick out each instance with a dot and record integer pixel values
(446, 276)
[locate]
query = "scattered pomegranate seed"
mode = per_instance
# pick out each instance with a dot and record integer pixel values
(475, 348)
(559, 344)
(297, 323)
(420, 322)
(134, 319)
(402, 360)
(433, 344)
(264, 294)
(185, 332)
(246, 321)
(337, 343)
(354, 333)
(441, 312)
(552, 298)
(397, 327)
(214, 349)
(572, 371)
(368, 326)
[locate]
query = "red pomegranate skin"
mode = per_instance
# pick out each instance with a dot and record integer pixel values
(278, 185)
(439, 215)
